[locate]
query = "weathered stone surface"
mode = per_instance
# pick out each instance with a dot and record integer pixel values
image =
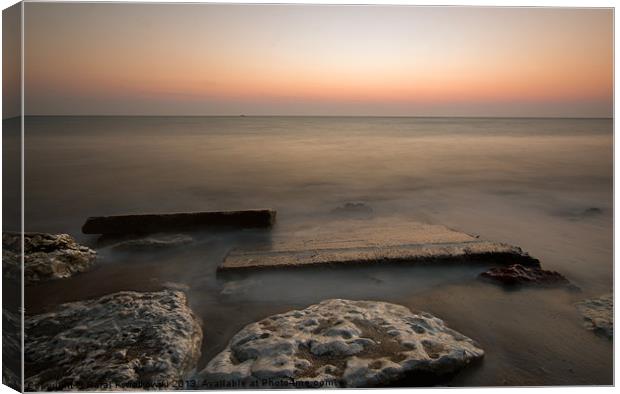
(375, 242)
(517, 274)
(11, 349)
(159, 242)
(342, 343)
(46, 256)
(599, 314)
(170, 222)
(127, 339)
(11, 378)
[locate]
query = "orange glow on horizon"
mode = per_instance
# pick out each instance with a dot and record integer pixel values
(560, 65)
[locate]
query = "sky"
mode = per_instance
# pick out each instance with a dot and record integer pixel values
(208, 59)
(11, 61)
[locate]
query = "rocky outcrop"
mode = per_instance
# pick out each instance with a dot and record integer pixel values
(341, 343)
(46, 256)
(120, 341)
(158, 242)
(598, 314)
(519, 275)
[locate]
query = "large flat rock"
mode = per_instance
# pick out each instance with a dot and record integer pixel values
(341, 343)
(126, 340)
(373, 242)
(182, 221)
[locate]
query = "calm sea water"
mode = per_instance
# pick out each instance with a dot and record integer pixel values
(528, 182)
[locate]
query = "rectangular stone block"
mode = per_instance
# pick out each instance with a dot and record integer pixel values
(378, 243)
(154, 223)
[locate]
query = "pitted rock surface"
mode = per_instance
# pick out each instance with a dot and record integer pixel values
(598, 314)
(519, 275)
(46, 256)
(127, 340)
(349, 343)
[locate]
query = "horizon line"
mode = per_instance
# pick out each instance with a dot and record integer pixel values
(310, 116)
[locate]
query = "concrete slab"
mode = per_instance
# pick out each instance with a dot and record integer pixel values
(172, 222)
(358, 242)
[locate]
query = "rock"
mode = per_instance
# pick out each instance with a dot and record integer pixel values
(170, 222)
(46, 256)
(238, 286)
(11, 378)
(376, 242)
(580, 213)
(354, 209)
(592, 211)
(176, 286)
(599, 314)
(125, 339)
(341, 343)
(159, 242)
(11, 349)
(517, 274)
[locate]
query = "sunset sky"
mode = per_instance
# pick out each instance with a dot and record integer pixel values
(182, 59)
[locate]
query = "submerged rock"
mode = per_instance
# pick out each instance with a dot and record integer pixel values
(354, 209)
(592, 211)
(236, 287)
(517, 274)
(122, 340)
(153, 243)
(176, 286)
(46, 256)
(579, 213)
(342, 343)
(599, 314)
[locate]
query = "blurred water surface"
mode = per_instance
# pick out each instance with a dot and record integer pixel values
(543, 184)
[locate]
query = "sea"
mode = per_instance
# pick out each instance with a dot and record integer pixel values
(545, 185)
